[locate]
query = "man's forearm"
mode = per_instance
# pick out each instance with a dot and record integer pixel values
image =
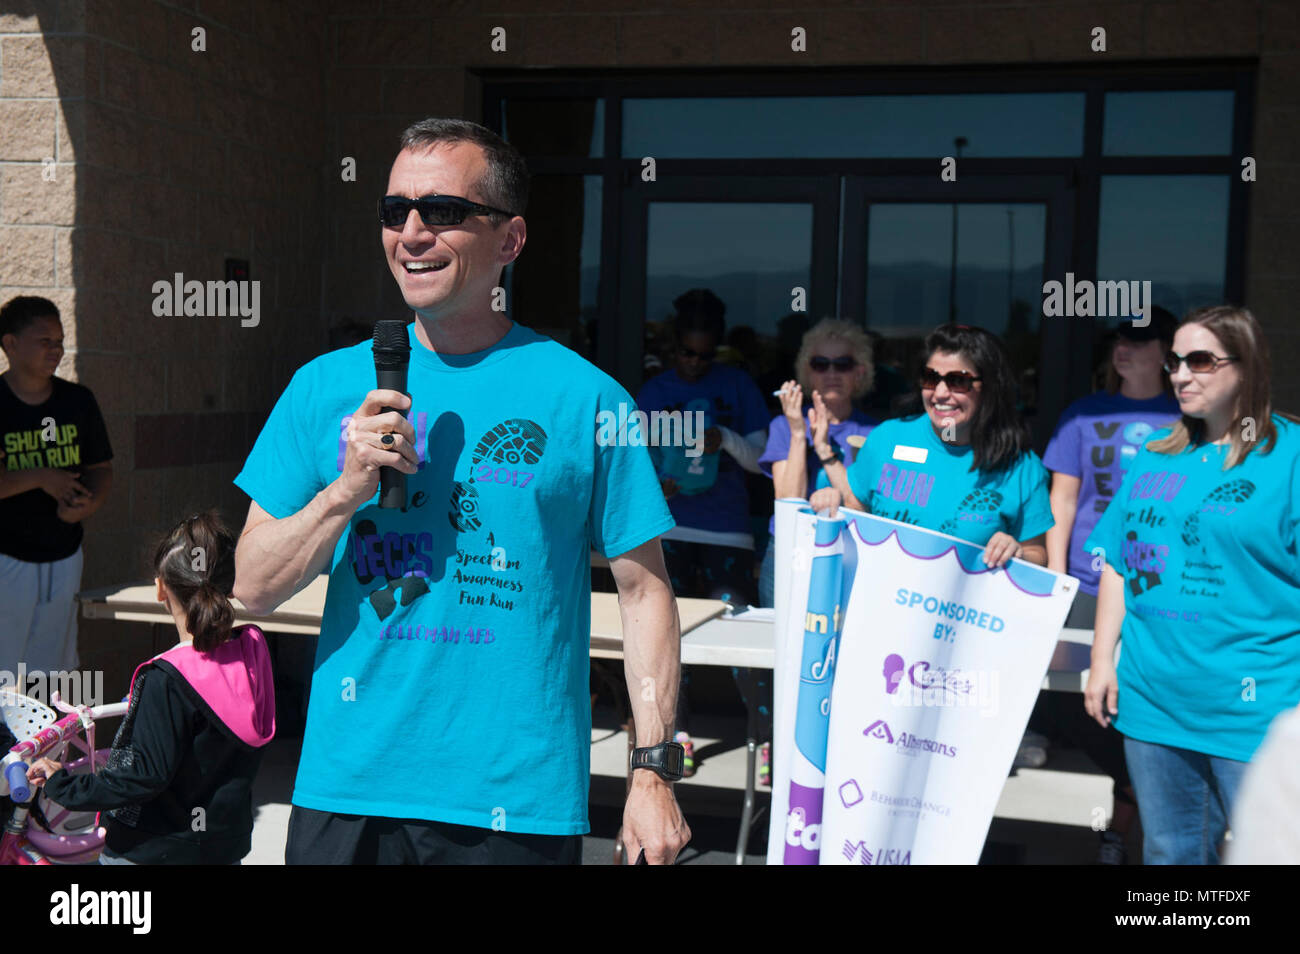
(277, 558)
(651, 659)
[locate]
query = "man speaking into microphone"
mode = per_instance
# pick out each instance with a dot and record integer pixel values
(450, 719)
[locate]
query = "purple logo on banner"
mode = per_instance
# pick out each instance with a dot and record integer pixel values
(803, 825)
(879, 729)
(893, 672)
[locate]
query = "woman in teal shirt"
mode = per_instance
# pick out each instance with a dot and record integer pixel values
(1201, 586)
(963, 467)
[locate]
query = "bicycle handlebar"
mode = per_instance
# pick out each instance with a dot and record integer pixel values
(27, 751)
(16, 776)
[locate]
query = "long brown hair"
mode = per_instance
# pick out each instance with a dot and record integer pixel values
(998, 434)
(1242, 338)
(196, 561)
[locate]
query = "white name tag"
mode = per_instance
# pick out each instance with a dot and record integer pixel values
(913, 455)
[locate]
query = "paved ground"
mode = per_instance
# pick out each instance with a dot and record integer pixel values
(1043, 816)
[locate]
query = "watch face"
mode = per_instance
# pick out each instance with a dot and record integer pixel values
(674, 759)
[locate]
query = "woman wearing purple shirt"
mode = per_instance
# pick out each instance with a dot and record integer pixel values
(808, 448)
(1095, 440)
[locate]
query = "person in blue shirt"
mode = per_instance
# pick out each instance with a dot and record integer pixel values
(1095, 441)
(710, 552)
(1200, 589)
(964, 466)
(456, 629)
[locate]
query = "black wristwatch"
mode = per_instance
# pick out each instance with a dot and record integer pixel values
(835, 455)
(667, 759)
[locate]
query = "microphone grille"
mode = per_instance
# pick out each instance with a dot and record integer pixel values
(391, 336)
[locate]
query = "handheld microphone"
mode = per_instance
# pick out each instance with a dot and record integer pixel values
(392, 355)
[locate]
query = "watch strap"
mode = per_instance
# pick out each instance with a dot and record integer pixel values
(667, 760)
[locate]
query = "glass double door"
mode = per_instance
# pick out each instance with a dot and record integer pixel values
(899, 255)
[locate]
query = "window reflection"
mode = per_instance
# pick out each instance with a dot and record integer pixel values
(1169, 230)
(1168, 123)
(997, 124)
(752, 255)
(997, 279)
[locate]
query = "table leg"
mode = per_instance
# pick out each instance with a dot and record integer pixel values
(751, 746)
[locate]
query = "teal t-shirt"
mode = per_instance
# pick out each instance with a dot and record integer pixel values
(1211, 635)
(906, 473)
(451, 673)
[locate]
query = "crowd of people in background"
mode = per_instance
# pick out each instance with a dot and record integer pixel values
(1172, 494)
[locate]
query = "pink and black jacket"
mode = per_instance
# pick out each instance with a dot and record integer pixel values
(192, 740)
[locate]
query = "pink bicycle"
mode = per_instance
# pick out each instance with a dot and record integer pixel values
(65, 837)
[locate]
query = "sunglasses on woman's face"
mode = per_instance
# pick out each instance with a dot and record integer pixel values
(686, 352)
(1198, 362)
(434, 210)
(959, 382)
(843, 363)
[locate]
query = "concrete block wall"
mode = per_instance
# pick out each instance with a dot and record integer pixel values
(166, 159)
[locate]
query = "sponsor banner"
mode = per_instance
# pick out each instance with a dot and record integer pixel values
(793, 540)
(919, 689)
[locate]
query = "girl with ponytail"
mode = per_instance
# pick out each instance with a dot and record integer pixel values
(178, 785)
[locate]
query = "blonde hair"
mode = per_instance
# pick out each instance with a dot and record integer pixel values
(836, 329)
(1242, 338)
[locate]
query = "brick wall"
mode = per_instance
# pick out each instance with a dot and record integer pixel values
(167, 159)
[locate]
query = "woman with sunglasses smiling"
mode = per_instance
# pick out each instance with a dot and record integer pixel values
(964, 466)
(1096, 440)
(1200, 584)
(808, 445)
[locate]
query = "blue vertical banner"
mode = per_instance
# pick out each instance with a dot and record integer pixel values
(823, 621)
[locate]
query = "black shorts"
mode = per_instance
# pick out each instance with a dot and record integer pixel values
(325, 838)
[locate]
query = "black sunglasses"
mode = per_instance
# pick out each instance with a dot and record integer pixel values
(843, 363)
(959, 382)
(434, 210)
(686, 352)
(1198, 362)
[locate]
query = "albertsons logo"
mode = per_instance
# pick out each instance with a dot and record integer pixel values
(907, 743)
